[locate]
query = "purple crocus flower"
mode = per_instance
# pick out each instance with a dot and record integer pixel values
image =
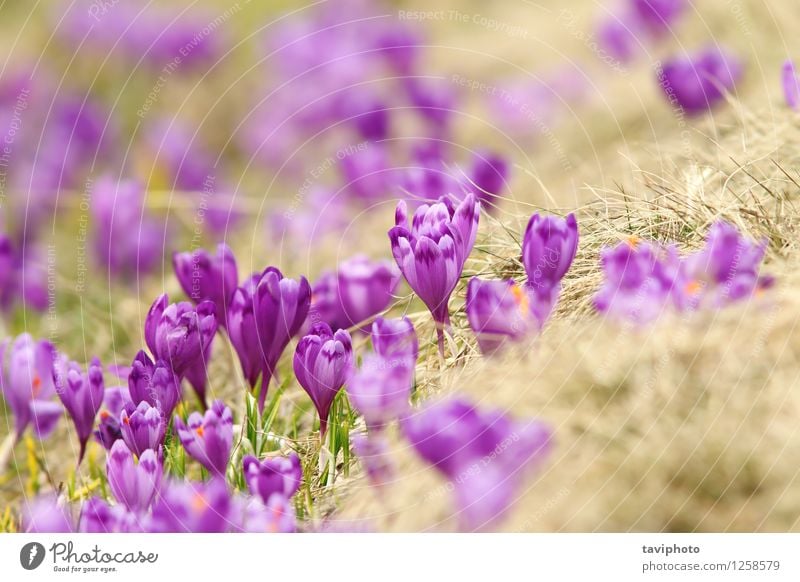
(133, 484)
(485, 455)
(179, 333)
(548, 249)
(373, 451)
(244, 332)
(618, 35)
(699, 82)
(791, 85)
(275, 516)
(188, 507)
(366, 173)
(154, 383)
(208, 438)
(280, 307)
(322, 362)
(81, 394)
(279, 476)
(142, 428)
(204, 276)
(657, 16)
(431, 252)
(434, 99)
(26, 382)
(395, 339)
(361, 289)
(725, 270)
(115, 400)
(97, 516)
(45, 514)
(640, 280)
(498, 311)
(488, 177)
(380, 390)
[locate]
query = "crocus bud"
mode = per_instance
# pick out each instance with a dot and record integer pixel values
(273, 476)
(204, 276)
(395, 339)
(133, 484)
(179, 333)
(154, 383)
(380, 390)
(699, 82)
(208, 438)
(791, 85)
(142, 428)
(322, 363)
(81, 394)
(498, 311)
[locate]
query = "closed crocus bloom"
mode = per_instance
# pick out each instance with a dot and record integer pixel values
(365, 288)
(658, 16)
(204, 276)
(431, 252)
(618, 35)
(26, 382)
(133, 484)
(322, 362)
(455, 437)
(243, 331)
(273, 476)
(189, 507)
(46, 514)
(725, 270)
(280, 307)
(143, 428)
(154, 383)
(380, 390)
(396, 340)
(791, 85)
(498, 311)
(81, 394)
(208, 438)
(488, 178)
(640, 280)
(699, 82)
(179, 333)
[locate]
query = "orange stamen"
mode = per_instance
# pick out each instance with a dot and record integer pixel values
(37, 385)
(521, 299)
(633, 241)
(692, 287)
(199, 430)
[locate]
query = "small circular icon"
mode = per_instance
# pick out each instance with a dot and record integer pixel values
(31, 555)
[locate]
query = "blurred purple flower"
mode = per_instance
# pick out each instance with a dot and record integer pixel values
(275, 516)
(26, 382)
(189, 507)
(658, 16)
(115, 401)
(373, 451)
(431, 252)
(273, 476)
(791, 85)
(395, 339)
(640, 280)
(498, 311)
(322, 362)
(142, 428)
(81, 394)
(204, 276)
(154, 383)
(208, 438)
(380, 389)
(488, 178)
(133, 484)
(45, 514)
(485, 455)
(699, 82)
(179, 333)
(366, 171)
(97, 516)
(435, 100)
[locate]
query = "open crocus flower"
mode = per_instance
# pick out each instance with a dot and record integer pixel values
(133, 484)
(548, 249)
(485, 455)
(26, 382)
(273, 476)
(179, 333)
(322, 362)
(380, 389)
(204, 276)
(640, 280)
(208, 438)
(265, 315)
(431, 252)
(791, 85)
(154, 383)
(360, 289)
(188, 507)
(395, 339)
(142, 428)
(699, 82)
(81, 394)
(498, 311)
(275, 516)
(725, 270)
